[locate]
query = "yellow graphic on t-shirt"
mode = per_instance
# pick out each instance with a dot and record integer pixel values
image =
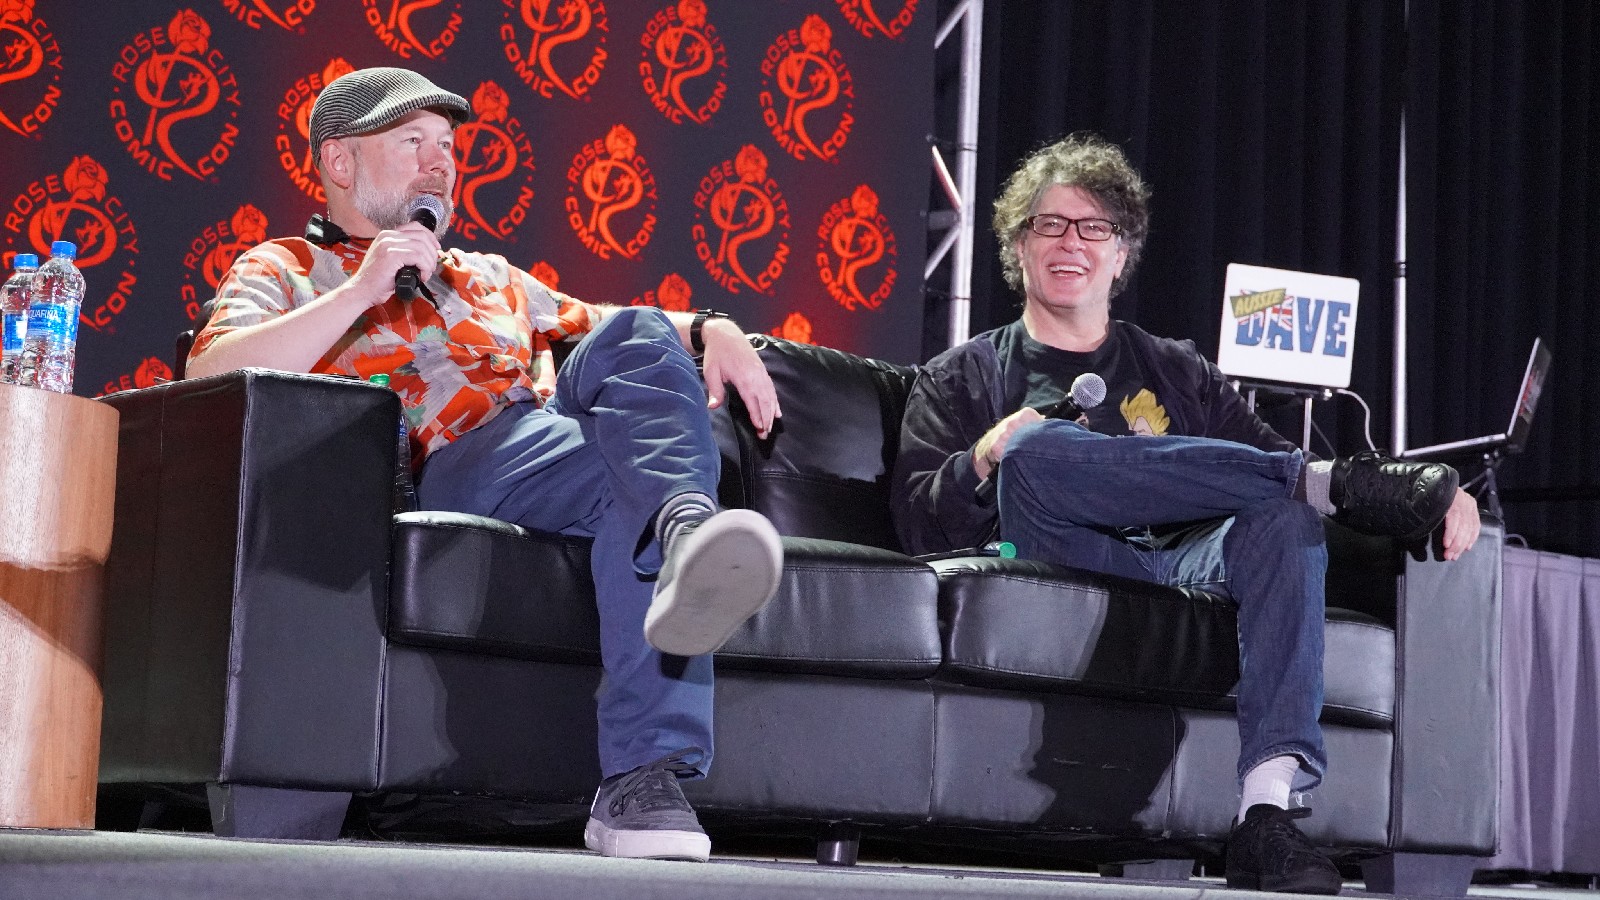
(1144, 415)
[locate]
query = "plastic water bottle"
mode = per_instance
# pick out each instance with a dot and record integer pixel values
(51, 342)
(14, 305)
(405, 487)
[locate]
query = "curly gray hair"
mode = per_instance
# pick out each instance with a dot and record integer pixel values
(1083, 161)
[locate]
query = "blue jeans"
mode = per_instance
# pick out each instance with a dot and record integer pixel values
(1191, 512)
(627, 431)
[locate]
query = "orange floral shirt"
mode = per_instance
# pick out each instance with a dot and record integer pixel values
(482, 344)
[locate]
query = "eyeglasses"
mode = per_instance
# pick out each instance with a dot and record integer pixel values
(1046, 225)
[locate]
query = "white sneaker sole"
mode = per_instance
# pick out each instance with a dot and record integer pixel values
(728, 569)
(632, 844)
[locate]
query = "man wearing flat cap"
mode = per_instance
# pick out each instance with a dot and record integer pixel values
(619, 448)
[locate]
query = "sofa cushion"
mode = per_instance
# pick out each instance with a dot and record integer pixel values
(479, 585)
(1028, 625)
(1358, 669)
(843, 609)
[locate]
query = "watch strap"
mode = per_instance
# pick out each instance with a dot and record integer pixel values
(696, 340)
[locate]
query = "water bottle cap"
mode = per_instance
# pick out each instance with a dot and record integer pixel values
(26, 260)
(64, 248)
(380, 379)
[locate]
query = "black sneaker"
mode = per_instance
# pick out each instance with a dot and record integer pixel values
(642, 814)
(1266, 852)
(1378, 494)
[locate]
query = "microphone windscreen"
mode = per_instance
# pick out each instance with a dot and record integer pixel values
(425, 209)
(1088, 390)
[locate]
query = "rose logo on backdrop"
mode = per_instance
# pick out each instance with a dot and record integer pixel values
(30, 69)
(175, 100)
(747, 241)
(290, 15)
(489, 150)
(546, 274)
(680, 49)
(555, 58)
(213, 250)
(411, 28)
(293, 141)
(75, 206)
(866, 16)
(795, 327)
(856, 251)
(810, 114)
(618, 196)
(671, 295)
(152, 370)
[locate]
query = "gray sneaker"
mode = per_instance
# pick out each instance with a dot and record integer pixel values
(717, 573)
(642, 814)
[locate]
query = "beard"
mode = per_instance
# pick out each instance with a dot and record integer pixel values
(388, 209)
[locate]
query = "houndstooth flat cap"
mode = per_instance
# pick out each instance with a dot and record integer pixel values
(366, 100)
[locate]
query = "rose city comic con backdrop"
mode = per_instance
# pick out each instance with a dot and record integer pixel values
(764, 157)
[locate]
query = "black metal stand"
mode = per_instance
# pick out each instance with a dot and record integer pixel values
(1490, 493)
(1306, 396)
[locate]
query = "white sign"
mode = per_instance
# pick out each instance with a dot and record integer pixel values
(1291, 327)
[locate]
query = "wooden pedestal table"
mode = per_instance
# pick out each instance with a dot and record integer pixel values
(58, 464)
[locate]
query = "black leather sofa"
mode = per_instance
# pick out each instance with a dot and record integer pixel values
(279, 639)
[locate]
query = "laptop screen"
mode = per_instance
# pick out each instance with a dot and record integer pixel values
(1515, 437)
(1528, 397)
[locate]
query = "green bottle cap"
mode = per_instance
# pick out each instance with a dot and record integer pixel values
(1007, 550)
(380, 379)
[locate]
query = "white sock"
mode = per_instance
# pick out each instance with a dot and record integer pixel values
(1317, 478)
(1269, 782)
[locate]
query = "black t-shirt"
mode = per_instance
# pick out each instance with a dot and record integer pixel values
(1130, 407)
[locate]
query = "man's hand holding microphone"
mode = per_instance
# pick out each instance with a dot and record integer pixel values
(1088, 390)
(401, 260)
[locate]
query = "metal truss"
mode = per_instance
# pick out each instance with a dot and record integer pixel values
(953, 226)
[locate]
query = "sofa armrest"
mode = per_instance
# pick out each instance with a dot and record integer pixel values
(1447, 684)
(247, 583)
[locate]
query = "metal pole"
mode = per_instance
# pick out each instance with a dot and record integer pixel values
(1400, 336)
(966, 171)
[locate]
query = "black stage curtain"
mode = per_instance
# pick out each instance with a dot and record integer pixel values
(1270, 134)
(1502, 141)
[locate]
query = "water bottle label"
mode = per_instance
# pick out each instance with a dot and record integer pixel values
(16, 325)
(55, 323)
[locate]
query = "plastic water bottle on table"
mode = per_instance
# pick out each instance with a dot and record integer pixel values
(14, 296)
(49, 347)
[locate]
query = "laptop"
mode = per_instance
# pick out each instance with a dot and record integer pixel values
(1287, 327)
(1515, 437)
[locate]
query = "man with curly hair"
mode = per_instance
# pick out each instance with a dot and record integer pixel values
(1172, 479)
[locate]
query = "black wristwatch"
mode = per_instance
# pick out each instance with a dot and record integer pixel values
(697, 344)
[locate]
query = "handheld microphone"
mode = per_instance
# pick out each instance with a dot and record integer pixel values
(1088, 391)
(427, 210)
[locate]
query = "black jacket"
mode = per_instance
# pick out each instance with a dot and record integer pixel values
(963, 391)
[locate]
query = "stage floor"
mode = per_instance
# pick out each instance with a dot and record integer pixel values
(39, 865)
